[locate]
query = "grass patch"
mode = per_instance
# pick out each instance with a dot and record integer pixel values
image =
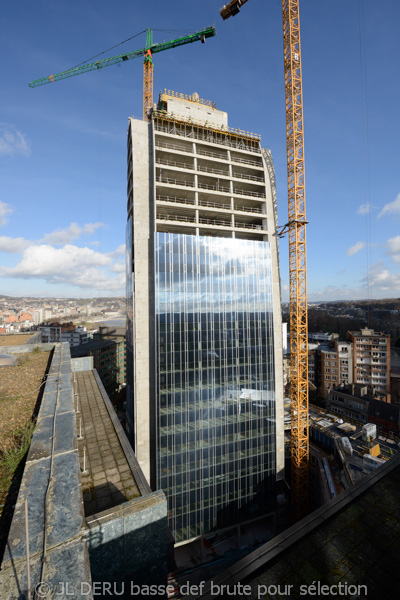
(23, 360)
(13, 452)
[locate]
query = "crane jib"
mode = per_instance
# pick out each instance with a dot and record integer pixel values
(198, 36)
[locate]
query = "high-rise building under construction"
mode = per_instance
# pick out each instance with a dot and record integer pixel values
(204, 338)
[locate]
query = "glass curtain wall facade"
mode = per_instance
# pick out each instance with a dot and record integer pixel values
(215, 391)
(204, 339)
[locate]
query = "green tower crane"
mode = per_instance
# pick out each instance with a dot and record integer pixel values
(147, 52)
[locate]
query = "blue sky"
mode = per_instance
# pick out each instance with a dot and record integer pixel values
(63, 145)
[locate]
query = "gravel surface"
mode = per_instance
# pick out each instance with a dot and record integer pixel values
(14, 340)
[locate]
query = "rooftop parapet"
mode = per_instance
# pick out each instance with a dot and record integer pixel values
(225, 129)
(189, 98)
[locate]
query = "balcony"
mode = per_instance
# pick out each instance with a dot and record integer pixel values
(249, 226)
(178, 147)
(206, 169)
(172, 181)
(241, 192)
(215, 188)
(186, 128)
(246, 161)
(175, 200)
(173, 163)
(248, 177)
(215, 205)
(177, 218)
(191, 220)
(217, 155)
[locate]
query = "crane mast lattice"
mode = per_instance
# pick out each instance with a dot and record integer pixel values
(296, 228)
(297, 256)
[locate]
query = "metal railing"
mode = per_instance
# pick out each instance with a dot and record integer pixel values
(208, 204)
(218, 222)
(190, 98)
(183, 165)
(188, 201)
(250, 177)
(180, 218)
(214, 205)
(248, 209)
(249, 226)
(210, 170)
(209, 126)
(248, 193)
(173, 146)
(212, 154)
(203, 133)
(175, 181)
(215, 188)
(212, 222)
(174, 163)
(246, 161)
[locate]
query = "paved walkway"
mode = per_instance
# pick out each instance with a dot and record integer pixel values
(109, 480)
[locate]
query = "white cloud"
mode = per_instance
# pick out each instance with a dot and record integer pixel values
(364, 209)
(382, 281)
(9, 244)
(5, 209)
(120, 251)
(12, 141)
(356, 248)
(394, 245)
(392, 208)
(70, 233)
(333, 292)
(90, 228)
(393, 248)
(81, 267)
(118, 267)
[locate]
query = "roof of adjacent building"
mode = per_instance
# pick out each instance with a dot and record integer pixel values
(112, 474)
(92, 346)
(351, 540)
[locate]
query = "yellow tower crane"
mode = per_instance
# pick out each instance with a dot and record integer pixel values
(296, 228)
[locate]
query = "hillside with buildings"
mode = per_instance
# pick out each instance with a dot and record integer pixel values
(25, 314)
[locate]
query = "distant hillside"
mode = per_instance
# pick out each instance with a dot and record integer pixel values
(343, 316)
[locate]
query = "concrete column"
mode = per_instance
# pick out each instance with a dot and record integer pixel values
(277, 323)
(141, 237)
(229, 165)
